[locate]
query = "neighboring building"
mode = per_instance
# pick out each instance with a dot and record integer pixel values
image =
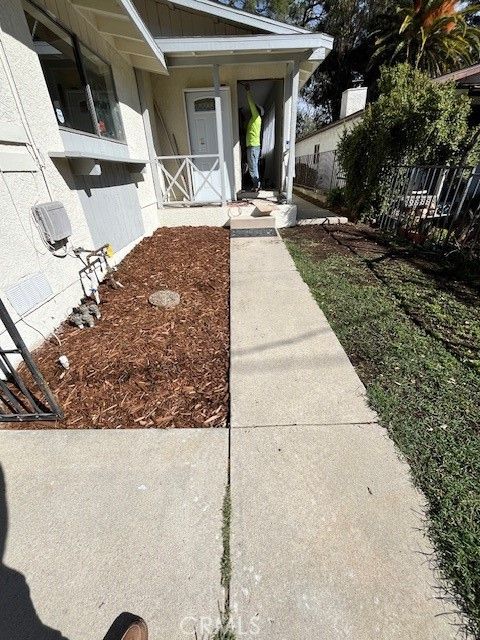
(467, 81)
(315, 153)
(92, 92)
(326, 138)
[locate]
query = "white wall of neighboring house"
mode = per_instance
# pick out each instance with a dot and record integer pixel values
(24, 99)
(327, 138)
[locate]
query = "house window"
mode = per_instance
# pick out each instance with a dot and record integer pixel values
(100, 82)
(79, 82)
(205, 104)
(316, 153)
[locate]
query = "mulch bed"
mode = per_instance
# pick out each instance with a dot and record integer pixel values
(142, 366)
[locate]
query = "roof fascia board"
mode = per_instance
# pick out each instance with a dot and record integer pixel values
(237, 15)
(231, 59)
(195, 45)
(131, 11)
(461, 74)
(331, 125)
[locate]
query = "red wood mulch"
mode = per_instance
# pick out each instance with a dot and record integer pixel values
(141, 366)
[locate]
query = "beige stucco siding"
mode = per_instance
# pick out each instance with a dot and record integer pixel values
(170, 98)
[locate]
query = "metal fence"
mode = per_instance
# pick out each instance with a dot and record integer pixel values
(435, 206)
(318, 171)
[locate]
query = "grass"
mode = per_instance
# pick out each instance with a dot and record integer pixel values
(225, 630)
(414, 340)
(226, 562)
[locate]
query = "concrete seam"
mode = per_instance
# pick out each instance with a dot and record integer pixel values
(307, 424)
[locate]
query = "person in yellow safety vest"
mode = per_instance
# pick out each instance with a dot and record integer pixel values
(254, 128)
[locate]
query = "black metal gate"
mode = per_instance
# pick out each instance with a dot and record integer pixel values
(435, 206)
(21, 399)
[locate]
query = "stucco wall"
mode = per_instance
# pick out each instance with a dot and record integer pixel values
(328, 138)
(22, 252)
(169, 95)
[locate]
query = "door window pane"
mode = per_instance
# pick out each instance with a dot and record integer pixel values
(100, 81)
(56, 52)
(205, 104)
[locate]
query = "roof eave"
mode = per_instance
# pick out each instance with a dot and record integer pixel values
(315, 44)
(120, 22)
(134, 16)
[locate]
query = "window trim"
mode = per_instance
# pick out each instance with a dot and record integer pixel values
(76, 42)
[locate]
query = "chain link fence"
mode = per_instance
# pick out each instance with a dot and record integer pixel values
(318, 171)
(434, 206)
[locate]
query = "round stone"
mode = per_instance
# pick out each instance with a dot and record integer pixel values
(165, 298)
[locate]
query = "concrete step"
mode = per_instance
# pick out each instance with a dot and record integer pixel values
(250, 222)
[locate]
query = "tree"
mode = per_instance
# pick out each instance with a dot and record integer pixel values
(432, 35)
(414, 121)
(351, 23)
(306, 13)
(276, 9)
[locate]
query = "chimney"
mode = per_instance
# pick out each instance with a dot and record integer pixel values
(353, 100)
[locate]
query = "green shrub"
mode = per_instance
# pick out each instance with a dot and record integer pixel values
(336, 197)
(414, 121)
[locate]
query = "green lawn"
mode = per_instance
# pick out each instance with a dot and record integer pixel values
(413, 333)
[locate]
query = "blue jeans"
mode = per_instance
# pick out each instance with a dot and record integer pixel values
(253, 156)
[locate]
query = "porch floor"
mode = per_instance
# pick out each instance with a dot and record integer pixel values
(245, 209)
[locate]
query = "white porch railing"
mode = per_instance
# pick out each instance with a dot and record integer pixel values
(190, 179)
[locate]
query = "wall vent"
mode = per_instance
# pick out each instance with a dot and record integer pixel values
(29, 293)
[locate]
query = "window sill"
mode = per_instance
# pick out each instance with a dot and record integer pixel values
(94, 136)
(88, 163)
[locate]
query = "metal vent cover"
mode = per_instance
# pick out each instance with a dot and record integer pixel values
(29, 293)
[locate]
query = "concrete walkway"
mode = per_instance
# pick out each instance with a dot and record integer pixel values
(326, 529)
(309, 213)
(101, 522)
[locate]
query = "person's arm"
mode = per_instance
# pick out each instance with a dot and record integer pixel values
(252, 105)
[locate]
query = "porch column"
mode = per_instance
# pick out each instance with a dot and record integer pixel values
(219, 121)
(294, 85)
(145, 96)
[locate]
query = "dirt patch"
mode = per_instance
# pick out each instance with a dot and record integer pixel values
(143, 366)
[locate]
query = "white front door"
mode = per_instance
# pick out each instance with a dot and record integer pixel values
(202, 130)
